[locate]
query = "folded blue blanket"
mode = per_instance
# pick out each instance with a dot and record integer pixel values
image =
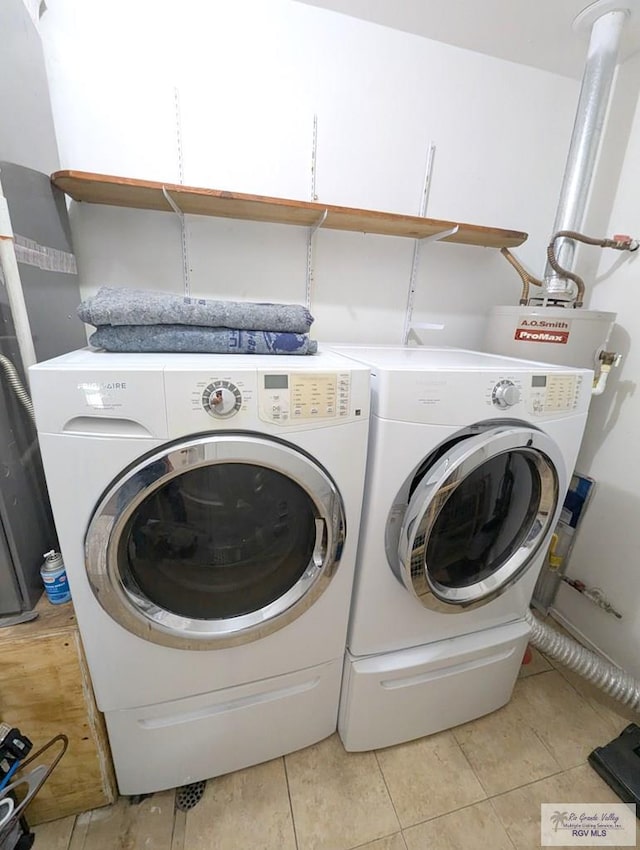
(142, 307)
(189, 338)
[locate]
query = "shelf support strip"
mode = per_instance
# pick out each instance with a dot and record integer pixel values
(309, 277)
(184, 240)
(312, 232)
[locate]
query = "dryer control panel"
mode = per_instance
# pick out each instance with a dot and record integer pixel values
(554, 393)
(539, 394)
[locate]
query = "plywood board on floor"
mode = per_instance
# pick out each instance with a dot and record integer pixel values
(45, 691)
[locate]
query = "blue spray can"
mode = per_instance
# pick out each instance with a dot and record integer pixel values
(54, 577)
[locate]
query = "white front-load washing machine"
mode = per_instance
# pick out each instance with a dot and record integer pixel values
(469, 460)
(207, 509)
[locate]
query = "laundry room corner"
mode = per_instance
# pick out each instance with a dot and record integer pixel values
(318, 401)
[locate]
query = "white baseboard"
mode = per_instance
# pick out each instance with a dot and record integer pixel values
(578, 635)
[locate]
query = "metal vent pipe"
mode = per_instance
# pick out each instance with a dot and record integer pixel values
(591, 112)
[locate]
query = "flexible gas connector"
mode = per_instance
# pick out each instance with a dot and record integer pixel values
(618, 243)
(524, 275)
(17, 385)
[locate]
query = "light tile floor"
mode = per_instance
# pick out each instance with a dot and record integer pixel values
(477, 786)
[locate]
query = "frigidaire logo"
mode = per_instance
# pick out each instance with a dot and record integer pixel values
(108, 385)
(542, 323)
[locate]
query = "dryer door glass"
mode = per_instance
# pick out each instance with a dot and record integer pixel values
(215, 542)
(478, 516)
(485, 520)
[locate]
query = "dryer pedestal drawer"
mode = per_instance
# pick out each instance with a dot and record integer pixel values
(395, 697)
(175, 743)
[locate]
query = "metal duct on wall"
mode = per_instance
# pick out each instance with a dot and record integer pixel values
(591, 112)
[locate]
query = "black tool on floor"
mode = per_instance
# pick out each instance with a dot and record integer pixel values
(14, 832)
(136, 799)
(618, 763)
(14, 747)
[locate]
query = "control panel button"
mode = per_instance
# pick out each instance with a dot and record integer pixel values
(221, 399)
(505, 394)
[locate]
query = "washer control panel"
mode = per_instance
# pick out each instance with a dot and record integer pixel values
(303, 396)
(221, 399)
(282, 397)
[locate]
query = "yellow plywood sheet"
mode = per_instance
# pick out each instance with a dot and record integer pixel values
(45, 691)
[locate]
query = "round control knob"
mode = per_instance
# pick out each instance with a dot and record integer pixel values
(505, 394)
(221, 399)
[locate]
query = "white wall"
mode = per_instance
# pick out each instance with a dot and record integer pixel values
(27, 135)
(607, 552)
(251, 75)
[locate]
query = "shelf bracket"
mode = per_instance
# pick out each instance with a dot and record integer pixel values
(424, 200)
(184, 239)
(435, 237)
(310, 242)
(423, 326)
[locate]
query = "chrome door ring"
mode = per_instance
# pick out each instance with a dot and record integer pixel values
(438, 485)
(139, 615)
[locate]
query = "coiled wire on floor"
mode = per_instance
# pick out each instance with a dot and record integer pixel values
(591, 666)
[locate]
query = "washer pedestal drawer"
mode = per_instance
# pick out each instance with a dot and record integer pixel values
(175, 743)
(395, 697)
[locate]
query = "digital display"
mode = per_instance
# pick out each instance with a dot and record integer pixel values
(276, 382)
(539, 381)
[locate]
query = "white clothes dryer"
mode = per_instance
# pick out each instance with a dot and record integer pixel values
(469, 460)
(207, 508)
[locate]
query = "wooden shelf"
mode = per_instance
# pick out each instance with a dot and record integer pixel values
(148, 195)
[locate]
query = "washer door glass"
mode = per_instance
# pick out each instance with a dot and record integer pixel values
(219, 541)
(478, 516)
(215, 542)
